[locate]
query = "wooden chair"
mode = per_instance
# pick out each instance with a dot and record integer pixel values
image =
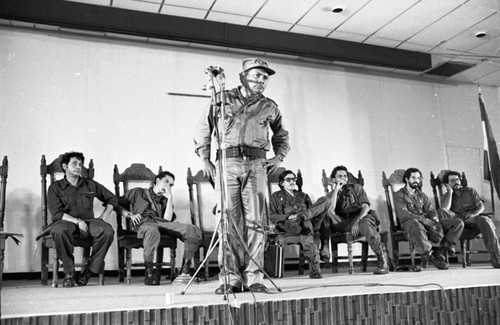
(138, 175)
(437, 189)
(392, 185)
(282, 238)
(4, 171)
(55, 171)
(347, 237)
(202, 205)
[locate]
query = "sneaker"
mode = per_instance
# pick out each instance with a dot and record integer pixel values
(69, 280)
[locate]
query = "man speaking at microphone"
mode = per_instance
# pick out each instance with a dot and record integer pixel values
(248, 117)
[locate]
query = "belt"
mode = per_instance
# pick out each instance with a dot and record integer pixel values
(244, 151)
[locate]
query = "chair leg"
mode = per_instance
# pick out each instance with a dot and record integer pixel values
(335, 258)
(301, 260)
(159, 262)
(172, 264)
(463, 247)
(364, 256)
(207, 263)
(469, 263)
(55, 268)
(44, 262)
(351, 259)
(121, 264)
(128, 262)
(412, 255)
(395, 253)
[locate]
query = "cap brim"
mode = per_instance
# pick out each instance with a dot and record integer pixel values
(266, 69)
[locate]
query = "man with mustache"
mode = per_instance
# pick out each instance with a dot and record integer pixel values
(464, 204)
(151, 211)
(248, 117)
(420, 221)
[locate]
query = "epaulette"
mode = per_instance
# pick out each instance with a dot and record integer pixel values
(269, 99)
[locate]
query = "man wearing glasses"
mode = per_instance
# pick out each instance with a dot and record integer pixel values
(465, 205)
(248, 117)
(420, 221)
(285, 206)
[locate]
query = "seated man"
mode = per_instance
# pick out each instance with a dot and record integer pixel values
(71, 203)
(420, 221)
(464, 203)
(348, 209)
(151, 212)
(284, 206)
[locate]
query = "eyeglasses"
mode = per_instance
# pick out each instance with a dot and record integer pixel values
(290, 179)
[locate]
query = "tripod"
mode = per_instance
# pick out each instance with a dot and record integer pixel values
(217, 117)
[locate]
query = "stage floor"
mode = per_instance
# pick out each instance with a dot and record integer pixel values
(22, 298)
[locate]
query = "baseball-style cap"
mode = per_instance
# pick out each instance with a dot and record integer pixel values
(251, 63)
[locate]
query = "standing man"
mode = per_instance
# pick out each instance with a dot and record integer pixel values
(285, 206)
(151, 211)
(248, 117)
(420, 220)
(71, 203)
(464, 203)
(348, 209)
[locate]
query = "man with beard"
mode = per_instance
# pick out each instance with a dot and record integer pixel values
(248, 117)
(420, 221)
(464, 204)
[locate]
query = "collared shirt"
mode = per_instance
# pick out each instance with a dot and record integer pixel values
(464, 200)
(350, 200)
(283, 204)
(77, 201)
(246, 124)
(416, 206)
(138, 201)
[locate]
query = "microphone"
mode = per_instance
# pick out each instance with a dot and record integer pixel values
(214, 70)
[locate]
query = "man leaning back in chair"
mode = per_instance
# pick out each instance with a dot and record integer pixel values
(151, 212)
(348, 209)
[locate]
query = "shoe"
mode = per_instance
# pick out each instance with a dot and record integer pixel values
(150, 278)
(69, 280)
(426, 258)
(229, 289)
(83, 279)
(440, 254)
(292, 226)
(258, 287)
(382, 263)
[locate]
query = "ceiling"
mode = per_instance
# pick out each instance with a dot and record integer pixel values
(446, 31)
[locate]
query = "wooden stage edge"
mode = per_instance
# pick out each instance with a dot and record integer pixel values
(455, 296)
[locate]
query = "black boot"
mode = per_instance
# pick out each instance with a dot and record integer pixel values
(428, 257)
(84, 277)
(495, 260)
(150, 278)
(314, 268)
(382, 264)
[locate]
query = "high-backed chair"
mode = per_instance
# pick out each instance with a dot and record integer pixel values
(137, 175)
(437, 189)
(283, 238)
(392, 185)
(347, 237)
(55, 172)
(202, 204)
(4, 171)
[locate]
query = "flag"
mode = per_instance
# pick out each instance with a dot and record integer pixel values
(491, 158)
